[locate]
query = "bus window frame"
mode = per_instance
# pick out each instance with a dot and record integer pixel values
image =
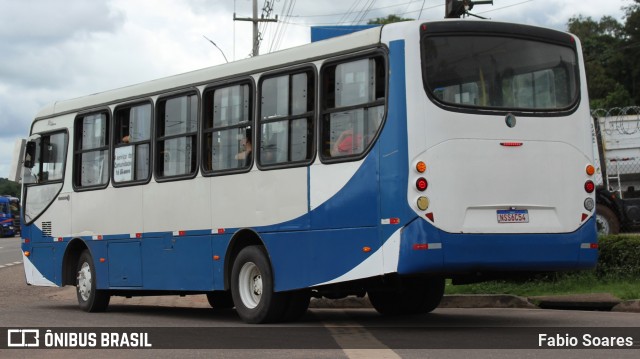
(161, 100)
(210, 90)
(77, 151)
(313, 115)
(115, 144)
(381, 52)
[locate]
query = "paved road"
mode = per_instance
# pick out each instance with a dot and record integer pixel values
(323, 333)
(10, 254)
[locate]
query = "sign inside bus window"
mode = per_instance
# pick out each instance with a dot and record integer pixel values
(513, 216)
(123, 164)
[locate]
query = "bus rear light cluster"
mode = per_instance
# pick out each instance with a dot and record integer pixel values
(422, 202)
(589, 187)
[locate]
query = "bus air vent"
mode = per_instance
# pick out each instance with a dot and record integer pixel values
(46, 229)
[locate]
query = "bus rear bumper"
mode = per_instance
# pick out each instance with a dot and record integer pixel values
(426, 249)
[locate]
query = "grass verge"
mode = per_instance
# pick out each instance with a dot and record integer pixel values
(625, 288)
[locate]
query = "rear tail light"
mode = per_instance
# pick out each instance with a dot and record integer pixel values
(589, 186)
(422, 184)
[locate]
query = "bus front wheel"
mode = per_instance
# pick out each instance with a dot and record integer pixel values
(90, 299)
(411, 296)
(252, 287)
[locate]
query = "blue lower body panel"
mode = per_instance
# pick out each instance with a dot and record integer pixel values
(426, 249)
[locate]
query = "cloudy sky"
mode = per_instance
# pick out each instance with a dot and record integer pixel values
(59, 49)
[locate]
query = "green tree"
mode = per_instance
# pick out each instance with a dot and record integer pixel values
(632, 48)
(9, 188)
(607, 67)
(387, 20)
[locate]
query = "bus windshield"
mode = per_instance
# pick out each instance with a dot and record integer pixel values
(500, 73)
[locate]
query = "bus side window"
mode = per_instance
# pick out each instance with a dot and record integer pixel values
(132, 143)
(353, 106)
(176, 136)
(286, 118)
(227, 123)
(91, 150)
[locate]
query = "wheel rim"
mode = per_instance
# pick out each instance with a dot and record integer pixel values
(84, 281)
(602, 224)
(250, 285)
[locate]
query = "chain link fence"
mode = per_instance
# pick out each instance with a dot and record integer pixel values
(617, 134)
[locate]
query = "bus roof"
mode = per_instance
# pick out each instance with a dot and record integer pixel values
(347, 43)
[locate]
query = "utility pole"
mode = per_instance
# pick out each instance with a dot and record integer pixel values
(255, 19)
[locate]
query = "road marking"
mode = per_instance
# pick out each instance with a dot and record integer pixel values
(350, 335)
(10, 264)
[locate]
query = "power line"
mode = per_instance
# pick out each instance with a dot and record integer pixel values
(420, 15)
(351, 10)
(378, 8)
(365, 11)
(338, 23)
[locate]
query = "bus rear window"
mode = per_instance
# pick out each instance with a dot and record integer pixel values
(500, 73)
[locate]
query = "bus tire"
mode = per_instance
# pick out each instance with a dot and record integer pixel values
(412, 296)
(220, 299)
(252, 287)
(90, 299)
(606, 221)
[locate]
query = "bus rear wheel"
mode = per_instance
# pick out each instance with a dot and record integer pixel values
(411, 296)
(252, 287)
(90, 299)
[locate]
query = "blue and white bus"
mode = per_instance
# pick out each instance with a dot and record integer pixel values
(380, 162)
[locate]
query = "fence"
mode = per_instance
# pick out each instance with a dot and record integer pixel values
(617, 132)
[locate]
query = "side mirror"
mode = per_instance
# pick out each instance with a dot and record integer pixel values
(30, 155)
(454, 9)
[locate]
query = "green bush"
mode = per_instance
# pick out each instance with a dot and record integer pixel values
(619, 256)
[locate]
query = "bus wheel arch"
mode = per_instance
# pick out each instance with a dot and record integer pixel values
(70, 261)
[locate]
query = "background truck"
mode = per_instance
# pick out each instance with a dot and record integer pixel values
(9, 216)
(616, 136)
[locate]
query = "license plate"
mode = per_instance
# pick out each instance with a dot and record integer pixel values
(513, 216)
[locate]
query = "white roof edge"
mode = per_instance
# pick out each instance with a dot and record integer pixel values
(344, 43)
